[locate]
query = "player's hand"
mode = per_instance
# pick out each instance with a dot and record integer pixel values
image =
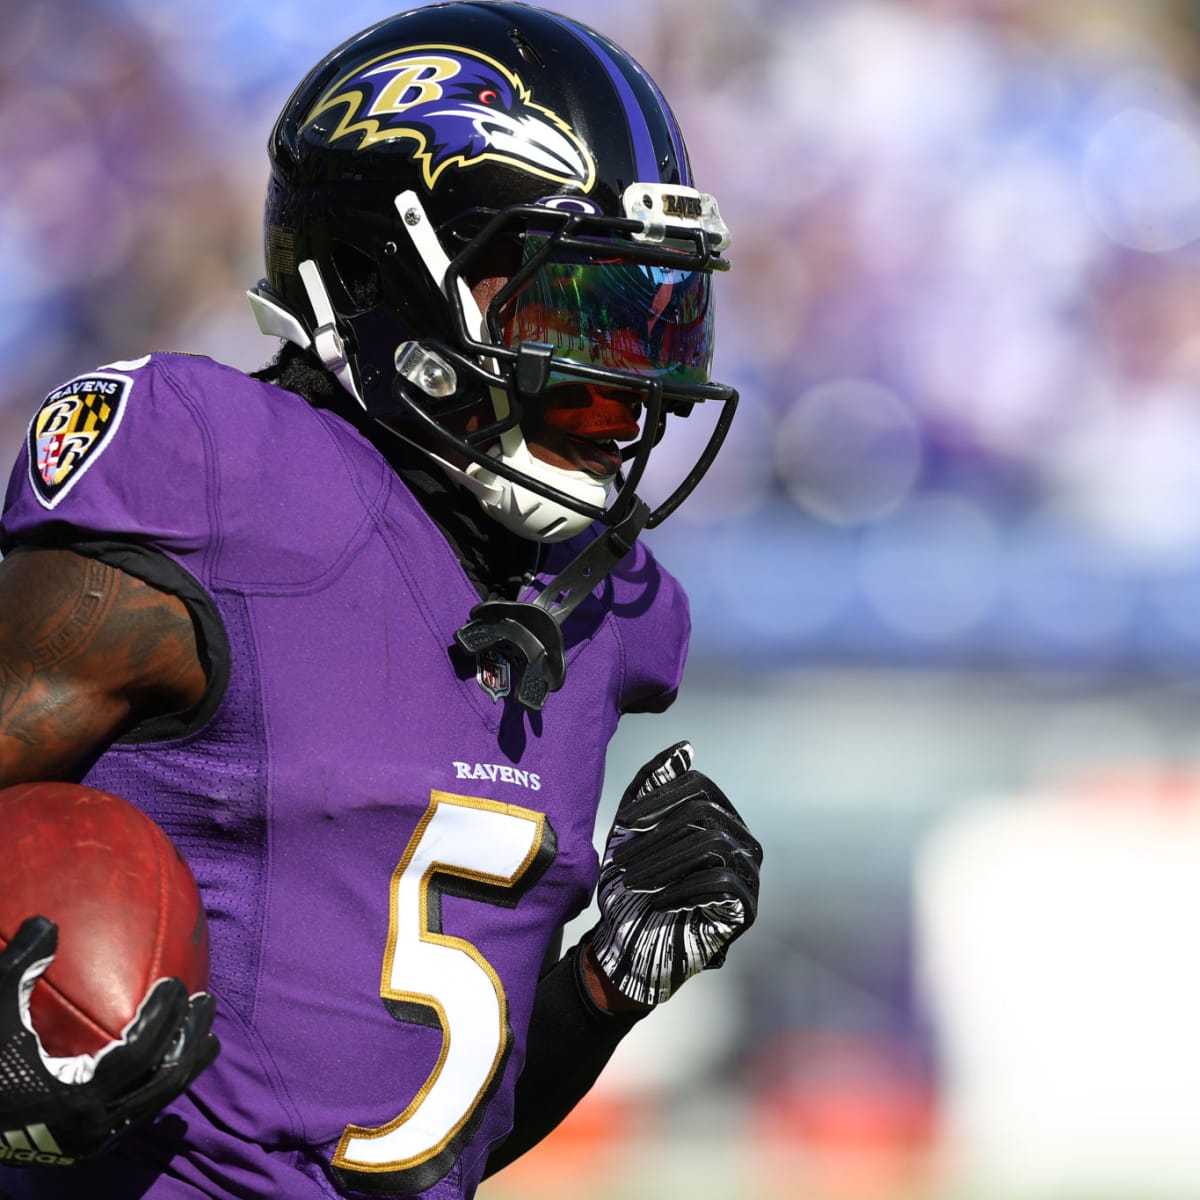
(678, 882)
(67, 1109)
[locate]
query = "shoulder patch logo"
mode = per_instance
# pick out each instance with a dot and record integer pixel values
(72, 427)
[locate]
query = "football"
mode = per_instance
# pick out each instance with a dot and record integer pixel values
(126, 904)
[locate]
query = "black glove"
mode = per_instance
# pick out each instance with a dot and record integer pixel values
(678, 883)
(67, 1109)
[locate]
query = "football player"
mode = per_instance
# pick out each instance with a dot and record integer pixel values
(357, 630)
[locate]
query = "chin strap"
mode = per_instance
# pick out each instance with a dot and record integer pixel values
(529, 633)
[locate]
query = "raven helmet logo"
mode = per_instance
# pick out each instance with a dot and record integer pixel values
(459, 107)
(73, 425)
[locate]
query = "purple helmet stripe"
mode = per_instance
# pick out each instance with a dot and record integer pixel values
(644, 157)
(677, 144)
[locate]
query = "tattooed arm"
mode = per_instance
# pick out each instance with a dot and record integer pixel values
(86, 651)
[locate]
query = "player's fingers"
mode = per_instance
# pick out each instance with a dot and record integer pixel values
(194, 1040)
(193, 1049)
(716, 889)
(159, 1016)
(700, 823)
(36, 939)
(146, 1039)
(689, 797)
(666, 860)
(666, 765)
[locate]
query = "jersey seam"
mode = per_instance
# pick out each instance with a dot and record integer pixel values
(270, 1067)
(212, 473)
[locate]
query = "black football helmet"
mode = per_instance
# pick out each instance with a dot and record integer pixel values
(474, 140)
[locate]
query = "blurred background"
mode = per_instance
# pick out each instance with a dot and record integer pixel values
(945, 576)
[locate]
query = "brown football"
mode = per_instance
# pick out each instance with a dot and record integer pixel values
(126, 904)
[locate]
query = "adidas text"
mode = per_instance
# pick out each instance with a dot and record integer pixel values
(34, 1144)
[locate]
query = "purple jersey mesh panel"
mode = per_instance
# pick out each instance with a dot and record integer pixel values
(223, 839)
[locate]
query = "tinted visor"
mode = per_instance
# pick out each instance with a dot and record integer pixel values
(652, 321)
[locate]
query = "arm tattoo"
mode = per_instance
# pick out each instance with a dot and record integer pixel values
(68, 634)
(86, 650)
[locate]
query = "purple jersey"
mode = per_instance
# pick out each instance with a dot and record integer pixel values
(385, 850)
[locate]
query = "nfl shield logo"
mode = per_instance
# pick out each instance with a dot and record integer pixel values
(493, 674)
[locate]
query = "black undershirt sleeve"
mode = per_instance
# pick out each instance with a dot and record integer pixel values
(570, 1041)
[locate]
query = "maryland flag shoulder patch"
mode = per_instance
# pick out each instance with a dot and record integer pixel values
(71, 429)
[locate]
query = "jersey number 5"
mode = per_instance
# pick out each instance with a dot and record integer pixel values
(481, 850)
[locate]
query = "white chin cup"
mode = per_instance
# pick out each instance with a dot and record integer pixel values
(529, 515)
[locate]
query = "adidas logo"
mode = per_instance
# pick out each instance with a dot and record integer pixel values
(33, 1144)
